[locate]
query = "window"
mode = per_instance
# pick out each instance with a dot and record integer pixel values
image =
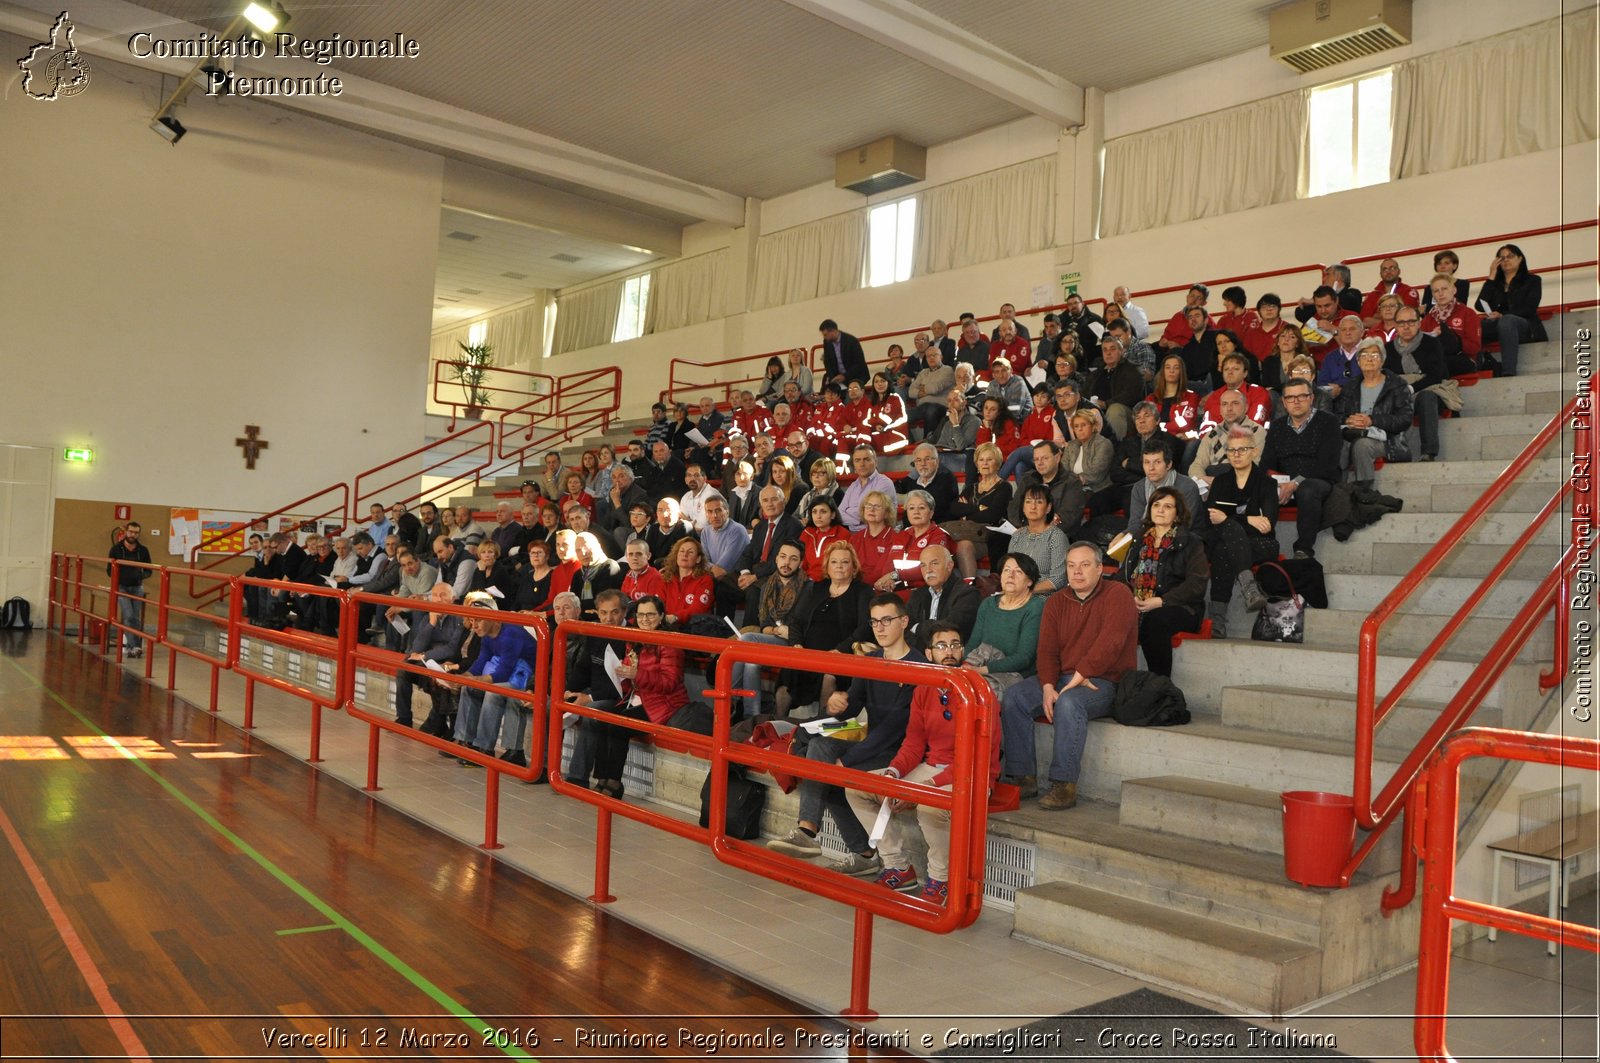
(1350, 134)
(477, 332)
(891, 229)
(630, 318)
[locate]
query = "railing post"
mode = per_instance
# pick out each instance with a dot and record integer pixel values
(249, 703)
(491, 810)
(372, 786)
(861, 969)
(602, 858)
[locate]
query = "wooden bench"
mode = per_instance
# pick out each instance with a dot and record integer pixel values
(1556, 845)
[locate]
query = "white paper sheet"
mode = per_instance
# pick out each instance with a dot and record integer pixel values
(494, 592)
(1005, 527)
(401, 625)
(697, 437)
(611, 662)
(880, 826)
(432, 666)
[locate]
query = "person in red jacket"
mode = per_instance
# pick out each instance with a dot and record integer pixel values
(642, 578)
(927, 755)
(1261, 337)
(690, 588)
(1013, 348)
(1257, 399)
(1177, 333)
(1457, 325)
(1389, 283)
(656, 672)
(823, 532)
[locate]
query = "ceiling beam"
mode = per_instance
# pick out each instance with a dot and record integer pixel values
(366, 104)
(927, 38)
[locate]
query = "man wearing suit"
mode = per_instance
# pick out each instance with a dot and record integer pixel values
(843, 360)
(760, 557)
(434, 637)
(943, 598)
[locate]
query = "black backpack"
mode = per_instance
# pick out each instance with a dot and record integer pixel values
(1144, 699)
(16, 613)
(746, 799)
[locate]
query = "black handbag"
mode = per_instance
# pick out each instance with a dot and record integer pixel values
(1281, 619)
(746, 800)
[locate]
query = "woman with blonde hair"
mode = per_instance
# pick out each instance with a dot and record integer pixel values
(983, 503)
(691, 590)
(876, 540)
(824, 484)
(829, 614)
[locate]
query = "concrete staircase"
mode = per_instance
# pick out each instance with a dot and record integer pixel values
(1171, 867)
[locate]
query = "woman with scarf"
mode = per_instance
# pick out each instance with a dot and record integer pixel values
(1167, 569)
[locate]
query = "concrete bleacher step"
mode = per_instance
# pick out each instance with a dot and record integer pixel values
(1207, 749)
(1242, 817)
(1204, 668)
(1363, 557)
(1242, 888)
(1261, 972)
(1331, 715)
(1437, 597)
(1336, 628)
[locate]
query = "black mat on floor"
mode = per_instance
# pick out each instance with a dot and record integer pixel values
(1144, 1024)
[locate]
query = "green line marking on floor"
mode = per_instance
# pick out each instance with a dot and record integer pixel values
(306, 929)
(323, 908)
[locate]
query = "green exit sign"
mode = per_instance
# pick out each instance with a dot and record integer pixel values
(82, 455)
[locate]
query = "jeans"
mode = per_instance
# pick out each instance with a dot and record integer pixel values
(747, 676)
(815, 797)
(1510, 330)
(468, 705)
(1073, 711)
(130, 612)
(489, 717)
(1020, 461)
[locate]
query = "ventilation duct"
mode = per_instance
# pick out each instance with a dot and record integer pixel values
(880, 166)
(1314, 34)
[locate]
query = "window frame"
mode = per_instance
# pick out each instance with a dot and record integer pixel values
(641, 286)
(1354, 155)
(911, 239)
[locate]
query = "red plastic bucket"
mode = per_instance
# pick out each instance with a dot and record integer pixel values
(1319, 834)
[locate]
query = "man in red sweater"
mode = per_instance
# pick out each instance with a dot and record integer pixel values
(1088, 637)
(927, 755)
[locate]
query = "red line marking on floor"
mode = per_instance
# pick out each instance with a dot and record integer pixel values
(80, 955)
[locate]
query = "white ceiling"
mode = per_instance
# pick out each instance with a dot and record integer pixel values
(680, 108)
(471, 275)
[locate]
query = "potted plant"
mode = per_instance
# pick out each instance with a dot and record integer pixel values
(476, 361)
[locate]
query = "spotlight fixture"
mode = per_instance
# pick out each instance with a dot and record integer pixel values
(267, 17)
(170, 129)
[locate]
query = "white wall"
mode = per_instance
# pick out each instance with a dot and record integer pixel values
(270, 269)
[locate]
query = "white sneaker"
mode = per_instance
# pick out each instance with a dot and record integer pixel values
(860, 866)
(797, 843)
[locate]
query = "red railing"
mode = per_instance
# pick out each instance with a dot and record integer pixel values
(1376, 814)
(580, 403)
(1440, 788)
(536, 697)
(977, 714)
(970, 700)
(508, 389)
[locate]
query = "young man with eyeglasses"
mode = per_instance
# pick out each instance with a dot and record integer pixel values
(927, 755)
(888, 706)
(1304, 445)
(1419, 358)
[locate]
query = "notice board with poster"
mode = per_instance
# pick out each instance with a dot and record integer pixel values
(228, 531)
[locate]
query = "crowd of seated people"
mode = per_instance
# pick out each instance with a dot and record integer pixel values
(777, 519)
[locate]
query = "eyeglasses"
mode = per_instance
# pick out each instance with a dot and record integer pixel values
(943, 647)
(647, 616)
(885, 621)
(1241, 450)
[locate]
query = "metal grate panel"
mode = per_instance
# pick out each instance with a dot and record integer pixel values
(1008, 866)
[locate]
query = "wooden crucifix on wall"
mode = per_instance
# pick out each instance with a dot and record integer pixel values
(251, 445)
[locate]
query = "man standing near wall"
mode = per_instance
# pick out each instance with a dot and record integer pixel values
(130, 585)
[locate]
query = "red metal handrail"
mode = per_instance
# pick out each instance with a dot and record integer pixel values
(976, 714)
(1441, 790)
(523, 394)
(481, 432)
(1376, 814)
(536, 696)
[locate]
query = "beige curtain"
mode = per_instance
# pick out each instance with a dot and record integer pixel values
(1237, 159)
(810, 261)
(1529, 90)
(1001, 214)
(686, 292)
(586, 318)
(517, 336)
